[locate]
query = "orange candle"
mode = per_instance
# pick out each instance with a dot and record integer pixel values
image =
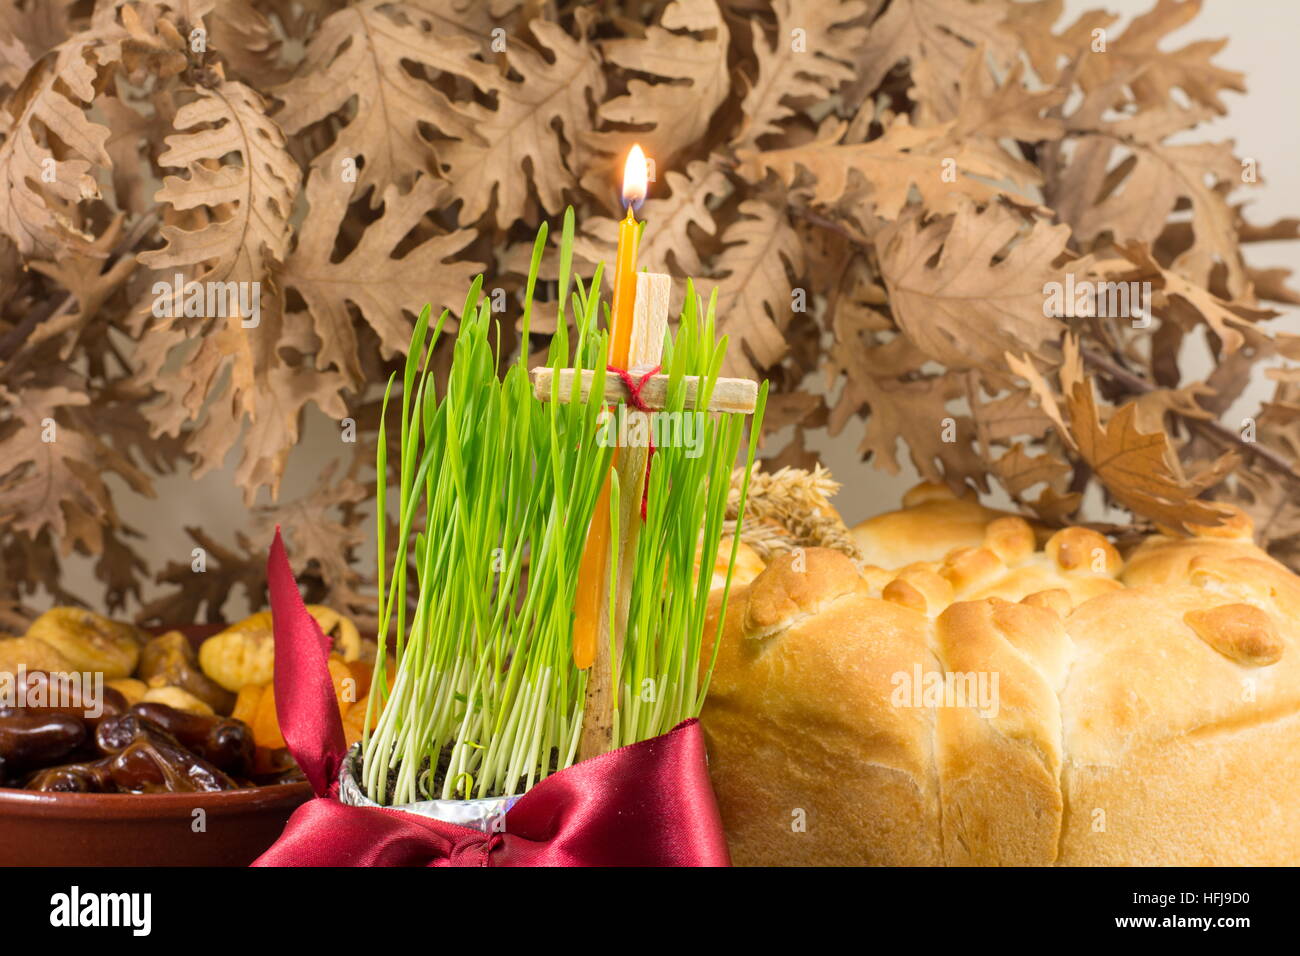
(593, 572)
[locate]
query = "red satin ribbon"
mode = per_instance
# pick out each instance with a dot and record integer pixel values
(650, 804)
(634, 387)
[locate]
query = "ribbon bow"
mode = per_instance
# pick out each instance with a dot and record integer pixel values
(649, 804)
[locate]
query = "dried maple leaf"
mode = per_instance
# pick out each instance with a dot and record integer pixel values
(802, 72)
(1138, 468)
(357, 67)
(380, 286)
(761, 253)
(983, 294)
(40, 184)
(522, 129)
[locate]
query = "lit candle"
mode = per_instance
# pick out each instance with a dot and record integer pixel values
(594, 569)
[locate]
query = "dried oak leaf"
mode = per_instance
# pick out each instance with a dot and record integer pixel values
(83, 275)
(474, 19)
(983, 294)
(358, 67)
(27, 34)
(686, 53)
(791, 74)
(1006, 417)
(935, 37)
(940, 442)
(41, 185)
(1122, 178)
(1153, 73)
(246, 39)
(1047, 51)
(888, 168)
(320, 544)
(991, 114)
(223, 571)
(1184, 401)
(54, 474)
(1019, 471)
(884, 382)
(761, 254)
(1187, 302)
(669, 244)
(121, 568)
(1138, 468)
(242, 213)
(1042, 391)
(380, 286)
(251, 201)
(274, 426)
(521, 131)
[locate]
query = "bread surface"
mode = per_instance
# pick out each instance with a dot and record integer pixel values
(1021, 698)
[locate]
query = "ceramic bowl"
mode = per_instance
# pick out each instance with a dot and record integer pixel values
(143, 829)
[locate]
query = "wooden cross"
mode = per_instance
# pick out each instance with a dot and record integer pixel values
(737, 395)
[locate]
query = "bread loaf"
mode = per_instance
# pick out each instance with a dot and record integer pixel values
(1010, 703)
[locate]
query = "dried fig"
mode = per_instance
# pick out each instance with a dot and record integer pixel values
(89, 641)
(244, 653)
(31, 654)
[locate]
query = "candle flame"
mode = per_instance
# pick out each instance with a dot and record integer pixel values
(635, 178)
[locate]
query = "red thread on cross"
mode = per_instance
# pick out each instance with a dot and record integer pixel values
(634, 385)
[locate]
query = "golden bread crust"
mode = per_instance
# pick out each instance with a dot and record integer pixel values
(1143, 710)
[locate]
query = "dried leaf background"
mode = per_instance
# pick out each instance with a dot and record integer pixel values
(877, 189)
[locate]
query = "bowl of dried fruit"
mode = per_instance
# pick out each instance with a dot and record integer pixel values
(120, 747)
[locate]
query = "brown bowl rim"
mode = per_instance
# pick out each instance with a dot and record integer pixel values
(131, 805)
